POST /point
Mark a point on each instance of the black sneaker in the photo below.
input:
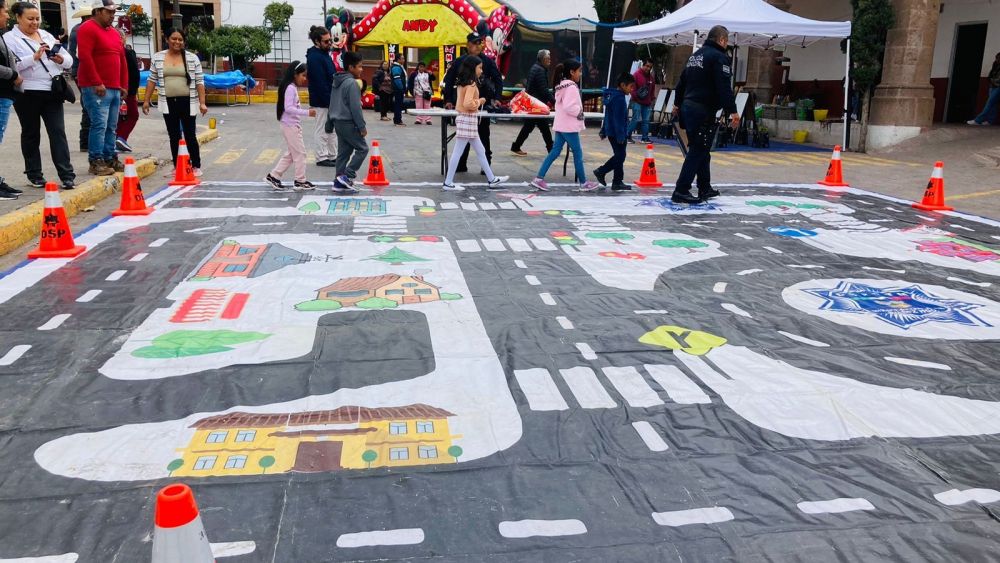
(620, 187)
(68, 185)
(328, 163)
(4, 187)
(342, 188)
(602, 177)
(276, 184)
(37, 182)
(7, 194)
(708, 193)
(304, 185)
(687, 198)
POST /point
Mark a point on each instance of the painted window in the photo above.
(235, 268)
(399, 454)
(246, 435)
(216, 437)
(425, 427)
(424, 292)
(205, 462)
(411, 284)
(240, 461)
(395, 292)
(244, 251)
(397, 428)
(357, 293)
(427, 452)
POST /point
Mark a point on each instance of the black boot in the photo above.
(705, 194)
(684, 197)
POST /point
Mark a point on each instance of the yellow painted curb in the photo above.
(22, 225)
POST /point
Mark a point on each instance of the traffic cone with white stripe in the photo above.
(57, 238)
(648, 177)
(133, 201)
(835, 171)
(184, 172)
(934, 194)
(179, 536)
(376, 171)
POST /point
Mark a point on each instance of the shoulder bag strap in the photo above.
(33, 50)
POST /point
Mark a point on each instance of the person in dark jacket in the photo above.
(615, 130)
(382, 88)
(128, 118)
(320, 71)
(84, 14)
(989, 113)
(704, 87)
(490, 87)
(538, 87)
(397, 74)
(9, 81)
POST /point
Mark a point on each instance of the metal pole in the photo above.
(177, 19)
(847, 97)
(611, 62)
(695, 45)
(324, 12)
(579, 34)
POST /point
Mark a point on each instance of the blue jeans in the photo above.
(561, 139)
(643, 113)
(5, 106)
(103, 114)
(989, 112)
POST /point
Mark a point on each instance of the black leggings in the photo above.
(34, 108)
(179, 115)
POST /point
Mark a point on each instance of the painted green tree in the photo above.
(617, 237)
(311, 207)
(689, 244)
(184, 343)
(368, 457)
(376, 303)
(174, 466)
(265, 462)
(455, 452)
(397, 257)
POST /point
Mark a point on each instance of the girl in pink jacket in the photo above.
(568, 124)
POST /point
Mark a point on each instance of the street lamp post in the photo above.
(177, 20)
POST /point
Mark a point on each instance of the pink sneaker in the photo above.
(589, 186)
(540, 184)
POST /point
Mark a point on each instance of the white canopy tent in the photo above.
(750, 22)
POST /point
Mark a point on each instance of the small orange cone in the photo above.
(184, 172)
(57, 238)
(835, 171)
(376, 171)
(648, 178)
(133, 201)
(934, 194)
(179, 535)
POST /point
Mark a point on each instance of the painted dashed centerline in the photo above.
(736, 310)
(743, 236)
(55, 321)
(116, 275)
(955, 497)
(158, 242)
(773, 250)
(565, 323)
(520, 264)
(710, 515)
(547, 298)
(719, 287)
(750, 271)
(651, 312)
(14, 354)
(546, 528)
(969, 282)
(918, 363)
(138, 257)
(585, 350)
(404, 536)
(532, 280)
(835, 506)
(803, 339)
(88, 296)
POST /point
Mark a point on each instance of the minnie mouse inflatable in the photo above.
(497, 30)
(340, 26)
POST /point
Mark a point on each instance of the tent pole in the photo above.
(611, 62)
(847, 97)
(579, 34)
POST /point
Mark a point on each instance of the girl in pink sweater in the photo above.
(290, 115)
(568, 124)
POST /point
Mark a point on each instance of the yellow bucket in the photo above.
(820, 114)
(211, 123)
(800, 136)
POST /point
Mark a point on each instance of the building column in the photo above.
(905, 97)
(760, 64)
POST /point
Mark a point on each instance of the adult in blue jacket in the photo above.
(320, 71)
(704, 88)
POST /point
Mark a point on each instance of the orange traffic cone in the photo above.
(133, 201)
(184, 172)
(179, 534)
(835, 171)
(934, 194)
(376, 171)
(648, 178)
(57, 238)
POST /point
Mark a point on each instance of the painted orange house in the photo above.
(401, 289)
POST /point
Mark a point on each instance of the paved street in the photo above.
(785, 374)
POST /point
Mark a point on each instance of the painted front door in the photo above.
(315, 457)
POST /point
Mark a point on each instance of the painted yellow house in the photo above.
(401, 289)
(350, 437)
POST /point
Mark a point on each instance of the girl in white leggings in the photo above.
(468, 103)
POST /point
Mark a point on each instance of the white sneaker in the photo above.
(452, 187)
(495, 183)
(971, 122)
(197, 172)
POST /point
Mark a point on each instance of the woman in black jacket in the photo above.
(130, 116)
(382, 88)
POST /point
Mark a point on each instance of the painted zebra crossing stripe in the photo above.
(518, 245)
(632, 387)
(267, 156)
(468, 245)
(540, 390)
(116, 275)
(543, 244)
(493, 244)
(88, 296)
(586, 388)
(649, 436)
(230, 156)
(676, 384)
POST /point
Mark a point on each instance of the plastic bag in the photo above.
(522, 102)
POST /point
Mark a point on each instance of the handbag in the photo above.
(60, 88)
(426, 95)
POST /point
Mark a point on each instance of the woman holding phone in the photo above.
(41, 58)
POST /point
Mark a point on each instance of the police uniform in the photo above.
(703, 89)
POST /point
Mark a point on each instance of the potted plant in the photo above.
(140, 22)
(277, 14)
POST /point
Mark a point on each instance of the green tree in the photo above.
(241, 43)
(869, 26)
(174, 466)
(397, 257)
(265, 462)
(689, 244)
(368, 457)
(455, 452)
(311, 207)
(277, 14)
(617, 237)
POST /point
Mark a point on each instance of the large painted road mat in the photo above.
(782, 374)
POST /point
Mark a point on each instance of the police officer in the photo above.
(490, 87)
(704, 87)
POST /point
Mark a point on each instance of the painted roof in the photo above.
(369, 282)
(343, 415)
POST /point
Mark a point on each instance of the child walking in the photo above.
(468, 103)
(290, 116)
(615, 130)
(346, 118)
(422, 92)
(568, 124)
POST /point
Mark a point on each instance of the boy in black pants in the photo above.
(614, 129)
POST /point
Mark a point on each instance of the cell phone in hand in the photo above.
(54, 50)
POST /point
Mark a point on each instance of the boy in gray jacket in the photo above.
(346, 118)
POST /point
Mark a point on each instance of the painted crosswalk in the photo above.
(505, 245)
(387, 224)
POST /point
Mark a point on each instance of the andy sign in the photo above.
(419, 25)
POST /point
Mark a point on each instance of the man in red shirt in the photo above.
(103, 81)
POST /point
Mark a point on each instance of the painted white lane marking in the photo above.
(893, 209)
(587, 390)
(89, 296)
(964, 228)
(547, 528)
(520, 264)
(883, 270)
(277, 223)
(507, 205)
(486, 205)
(679, 388)
(64, 558)
(469, 206)
(750, 271)
(835, 506)
(969, 282)
(752, 222)
(232, 548)
(543, 244)
(402, 536)
(378, 230)
(138, 257)
(532, 280)
(720, 287)
(803, 339)
(651, 312)
(468, 245)
(14, 354)
(710, 515)
(55, 321)
(632, 387)
(449, 205)
(650, 437)
(520, 203)
(918, 363)
(565, 323)
(587, 352)
(493, 245)
(234, 199)
(547, 298)
(540, 390)
(743, 236)
(806, 266)
(773, 250)
(736, 310)
(955, 496)
(519, 245)
(116, 275)
(161, 241)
